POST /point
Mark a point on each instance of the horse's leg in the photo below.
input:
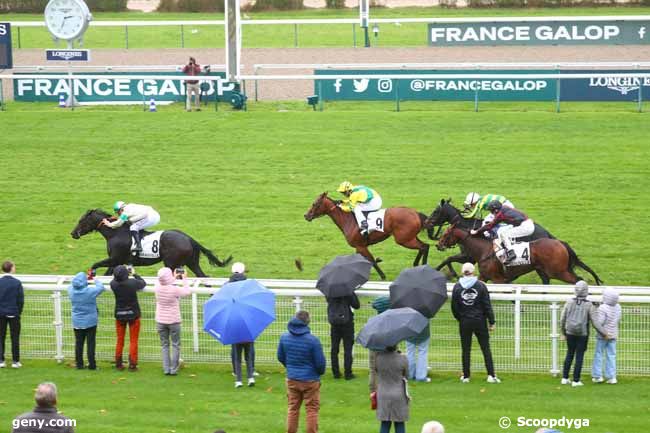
(425, 260)
(363, 250)
(414, 244)
(545, 279)
(108, 263)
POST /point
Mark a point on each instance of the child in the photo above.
(608, 317)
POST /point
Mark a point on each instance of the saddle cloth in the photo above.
(376, 220)
(150, 245)
(521, 249)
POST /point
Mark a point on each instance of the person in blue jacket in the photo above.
(302, 355)
(84, 317)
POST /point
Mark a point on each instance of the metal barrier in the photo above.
(526, 338)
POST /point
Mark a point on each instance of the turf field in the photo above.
(240, 182)
(340, 35)
(202, 399)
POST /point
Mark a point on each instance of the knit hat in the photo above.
(165, 276)
(238, 268)
(581, 289)
(467, 269)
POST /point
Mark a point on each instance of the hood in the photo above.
(121, 273)
(165, 276)
(581, 289)
(467, 282)
(381, 304)
(297, 327)
(610, 297)
(80, 281)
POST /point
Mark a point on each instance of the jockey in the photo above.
(360, 200)
(475, 204)
(519, 225)
(140, 217)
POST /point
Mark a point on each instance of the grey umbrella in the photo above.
(391, 327)
(343, 275)
(422, 288)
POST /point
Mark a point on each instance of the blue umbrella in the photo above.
(239, 312)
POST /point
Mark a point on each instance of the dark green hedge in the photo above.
(191, 6)
(38, 6)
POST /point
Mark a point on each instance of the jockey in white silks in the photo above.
(140, 216)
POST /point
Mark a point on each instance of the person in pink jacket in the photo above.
(168, 316)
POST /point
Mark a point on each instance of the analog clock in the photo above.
(67, 19)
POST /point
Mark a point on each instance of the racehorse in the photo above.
(446, 213)
(551, 258)
(402, 223)
(176, 248)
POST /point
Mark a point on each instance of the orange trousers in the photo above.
(134, 332)
(297, 392)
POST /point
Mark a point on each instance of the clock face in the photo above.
(66, 19)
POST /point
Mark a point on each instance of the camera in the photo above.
(92, 273)
(179, 273)
(130, 269)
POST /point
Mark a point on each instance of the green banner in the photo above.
(114, 89)
(432, 89)
(540, 33)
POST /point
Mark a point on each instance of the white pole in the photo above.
(555, 369)
(195, 319)
(517, 323)
(58, 320)
(297, 301)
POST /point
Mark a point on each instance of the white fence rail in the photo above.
(526, 339)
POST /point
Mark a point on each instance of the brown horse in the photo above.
(551, 258)
(401, 222)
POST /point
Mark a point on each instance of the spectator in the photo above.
(168, 316)
(302, 355)
(127, 313)
(192, 87)
(246, 347)
(380, 304)
(574, 325)
(12, 299)
(45, 417)
(420, 344)
(341, 319)
(471, 306)
(608, 317)
(432, 427)
(391, 371)
(84, 317)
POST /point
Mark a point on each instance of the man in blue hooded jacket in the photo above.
(84, 317)
(302, 355)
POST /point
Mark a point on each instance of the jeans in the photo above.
(417, 368)
(14, 330)
(298, 391)
(576, 346)
(468, 328)
(167, 331)
(385, 427)
(249, 355)
(609, 347)
(134, 332)
(81, 336)
(345, 333)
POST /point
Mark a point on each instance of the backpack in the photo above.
(577, 319)
(338, 311)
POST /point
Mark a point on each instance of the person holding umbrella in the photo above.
(471, 306)
(391, 371)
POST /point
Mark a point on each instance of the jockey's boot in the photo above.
(363, 228)
(138, 242)
(510, 256)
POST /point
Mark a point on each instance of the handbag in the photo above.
(373, 400)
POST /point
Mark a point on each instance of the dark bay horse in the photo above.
(176, 248)
(551, 258)
(446, 213)
(402, 223)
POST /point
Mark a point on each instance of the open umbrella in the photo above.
(343, 275)
(391, 327)
(422, 288)
(239, 312)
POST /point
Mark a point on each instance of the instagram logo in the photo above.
(385, 85)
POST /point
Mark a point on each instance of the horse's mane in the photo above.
(97, 210)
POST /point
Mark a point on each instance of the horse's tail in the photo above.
(423, 218)
(214, 260)
(575, 261)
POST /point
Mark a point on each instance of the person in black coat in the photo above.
(127, 313)
(341, 319)
(471, 306)
(12, 299)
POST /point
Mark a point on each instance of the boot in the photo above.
(363, 228)
(510, 256)
(138, 242)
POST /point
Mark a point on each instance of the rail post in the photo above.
(555, 364)
(182, 36)
(320, 95)
(58, 320)
(641, 97)
(126, 36)
(517, 322)
(19, 47)
(558, 89)
(255, 68)
(354, 35)
(298, 302)
(195, 318)
(397, 95)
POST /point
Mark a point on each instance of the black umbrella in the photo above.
(391, 327)
(422, 288)
(343, 275)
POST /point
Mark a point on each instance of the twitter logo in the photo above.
(361, 85)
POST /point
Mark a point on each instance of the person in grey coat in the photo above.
(390, 383)
(608, 316)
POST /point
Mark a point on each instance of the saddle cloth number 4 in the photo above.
(522, 250)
